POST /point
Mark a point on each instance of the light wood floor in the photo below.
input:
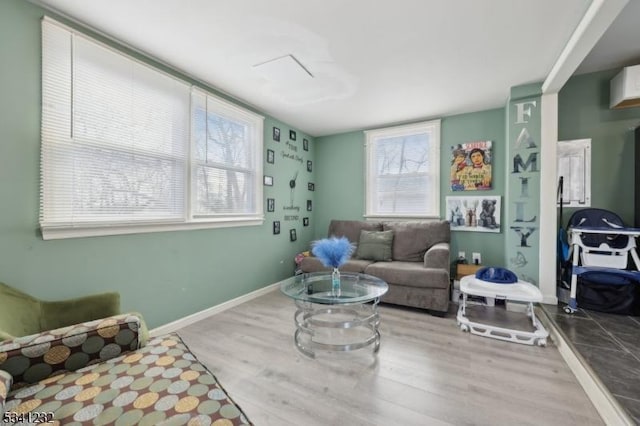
(427, 372)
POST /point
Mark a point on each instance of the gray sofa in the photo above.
(418, 271)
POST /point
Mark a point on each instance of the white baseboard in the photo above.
(608, 407)
(198, 316)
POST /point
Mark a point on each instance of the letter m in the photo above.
(531, 161)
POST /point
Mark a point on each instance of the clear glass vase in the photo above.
(335, 282)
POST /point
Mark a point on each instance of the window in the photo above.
(403, 170)
(574, 165)
(127, 148)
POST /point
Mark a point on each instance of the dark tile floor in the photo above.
(611, 345)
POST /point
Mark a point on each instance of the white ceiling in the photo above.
(373, 63)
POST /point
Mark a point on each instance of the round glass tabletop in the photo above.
(316, 288)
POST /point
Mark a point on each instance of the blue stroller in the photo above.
(600, 249)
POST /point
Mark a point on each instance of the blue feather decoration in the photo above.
(332, 252)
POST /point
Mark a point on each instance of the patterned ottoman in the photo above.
(159, 384)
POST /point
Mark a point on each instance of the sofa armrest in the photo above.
(437, 256)
(5, 384)
(30, 359)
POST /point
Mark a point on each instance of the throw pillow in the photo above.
(375, 245)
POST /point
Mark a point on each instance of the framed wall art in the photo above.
(474, 213)
(271, 204)
(276, 134)
(271, 156)
(276, 227)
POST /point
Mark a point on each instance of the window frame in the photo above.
(371, 136)
(581, 147)
(188, 220)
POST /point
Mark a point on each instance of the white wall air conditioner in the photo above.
(625, 88)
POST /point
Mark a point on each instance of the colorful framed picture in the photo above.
(276, 134)
(474, 213)
(471, 166)
(271, 156)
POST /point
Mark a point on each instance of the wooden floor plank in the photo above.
(427, 372)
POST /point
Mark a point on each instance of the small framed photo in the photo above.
(292, 235)
(309, 206)
(292, 135)
(309, 166)
(311, 186)
(271, 156)
(305, 144)
(271, 204)
(276, 134)
(268, 180)
(276, 227)
(305, 221)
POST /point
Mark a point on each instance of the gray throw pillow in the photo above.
(375, 245)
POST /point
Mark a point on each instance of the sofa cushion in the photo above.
(412, 239)
(351, 229)
(162, 382)
(375, 245)
(313, 264)
(410, 274)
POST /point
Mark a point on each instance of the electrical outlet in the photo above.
(476, 258)
(462, 255)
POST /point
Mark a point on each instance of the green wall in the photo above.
(583, 112)
(341, 172)
(163, 275)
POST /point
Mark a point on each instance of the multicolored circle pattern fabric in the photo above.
(30, 359)
(160, 384)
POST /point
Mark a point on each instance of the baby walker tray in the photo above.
(520, 291)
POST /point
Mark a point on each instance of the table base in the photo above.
(356, 323)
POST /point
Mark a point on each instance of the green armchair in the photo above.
(24, 315)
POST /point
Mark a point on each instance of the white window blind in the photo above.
(574, 165)
(116, 146)
(403, 168)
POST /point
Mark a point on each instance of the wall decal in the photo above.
(305, 144)
(471, 168)
(292, 135)
(309, 166)
(276, 134)
(271, 156)
(268, 180)
(271, 204)
(311, 186)
(292, 235)
(276, 227)
(305, 221)
(523, 234)
(519, 261)
(309, 205)
(481, 214)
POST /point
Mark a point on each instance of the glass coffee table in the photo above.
(335, 322)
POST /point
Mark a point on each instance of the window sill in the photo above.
(401, 217)
(79, 231)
